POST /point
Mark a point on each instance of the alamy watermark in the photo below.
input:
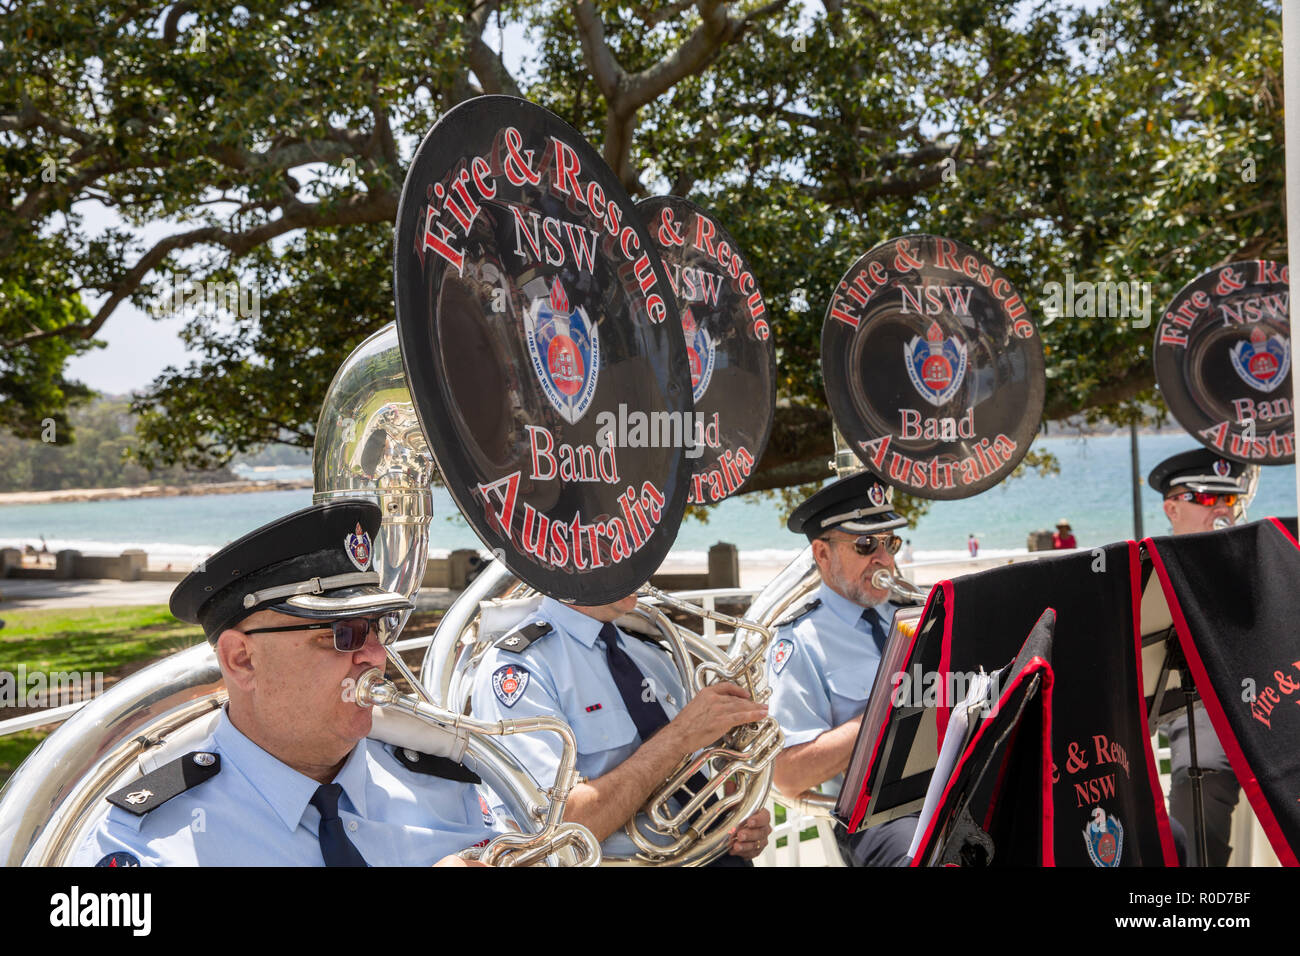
(210, 297)
(917, 688)
(38, 689)
(635, 428)
(1102, 300)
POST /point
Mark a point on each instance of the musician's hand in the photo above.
(711, 713)
(455, 860)
(749, 839)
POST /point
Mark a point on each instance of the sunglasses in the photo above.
(1207, 498)
(350, 634)
(865, 545)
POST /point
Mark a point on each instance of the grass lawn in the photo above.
(113, 641)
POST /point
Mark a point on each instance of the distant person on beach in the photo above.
(973, 546)
(1063, 537)
(905, 556)
(44, 548)
(825, 653)
(289, 776)
(1199, 487)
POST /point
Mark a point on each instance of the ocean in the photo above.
(1092, 492)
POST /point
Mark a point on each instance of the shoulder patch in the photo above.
(434, 765)
(509, 681)
(782, 651)
(805, 608)
(170, 780)
(519, 640)
(120, 858)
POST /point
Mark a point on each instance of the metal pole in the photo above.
(1291, 95)
(1136, 480)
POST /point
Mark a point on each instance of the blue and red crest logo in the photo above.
(781, 654)
(1104, 837)
(565, 352)
(936, 365)
(700, 352)
(509, 683)
(1222, 468)
(1262, 361)
(357, 545)
(876, 495)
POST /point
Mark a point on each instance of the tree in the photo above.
(1134, 143)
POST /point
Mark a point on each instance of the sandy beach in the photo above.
(146, 491)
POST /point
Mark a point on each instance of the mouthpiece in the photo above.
(898, 588)
(1221, 522)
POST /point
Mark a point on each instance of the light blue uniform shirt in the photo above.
(821, 668)
(566, 674)
(256, 812)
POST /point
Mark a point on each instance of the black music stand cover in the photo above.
(1101, 749)
(1232, 594)
(1004, 773)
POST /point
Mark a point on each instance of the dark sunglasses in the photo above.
(1207, 498)
(866, 544)
(350, 633)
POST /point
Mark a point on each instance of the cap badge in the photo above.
(876, 495)
(1222, 468)
(357, 545)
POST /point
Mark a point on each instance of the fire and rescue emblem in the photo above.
(1104, 836)
(700, 352)
(1222, 468)
(936, 365)
(509, 683)
(565, 352)
(1262, 361)
(876, 494)
(357, 545)
(781, 654)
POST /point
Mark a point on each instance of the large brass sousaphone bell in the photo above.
(513, 365)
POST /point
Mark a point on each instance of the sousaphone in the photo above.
(711, 358)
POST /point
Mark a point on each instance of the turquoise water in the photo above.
(1092, 492)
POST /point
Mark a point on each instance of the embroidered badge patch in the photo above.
(509, 682)
(781, 654)
(1104, 837)
(120, 858)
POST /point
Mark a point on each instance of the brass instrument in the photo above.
(741, 760)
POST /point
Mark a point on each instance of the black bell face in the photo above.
(534, 315)
(1223, 362)
(729, 344)
(933, 367)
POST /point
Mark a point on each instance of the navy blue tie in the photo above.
(877, 630)
(335, 846)
(649, 715)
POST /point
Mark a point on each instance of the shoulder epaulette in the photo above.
(435, 766)
(170, 780)
(799, 612)
(519, 640)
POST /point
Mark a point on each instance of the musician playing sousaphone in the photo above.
(622, 693)
(545, 419)
(934, 377)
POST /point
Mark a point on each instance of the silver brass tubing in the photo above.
(897, 587)
(372, 689)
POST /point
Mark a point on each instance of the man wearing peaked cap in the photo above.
(1199, 489)
(289, 776)
(824, 656)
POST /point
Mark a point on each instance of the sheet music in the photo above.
(954, 742)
